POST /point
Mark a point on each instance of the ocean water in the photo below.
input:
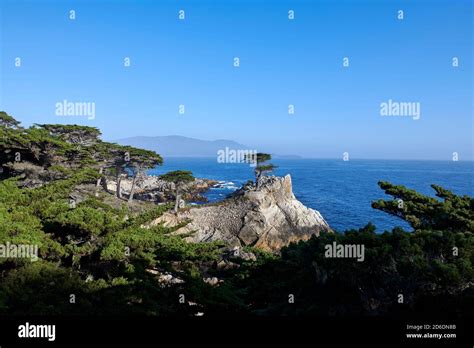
(341, 191)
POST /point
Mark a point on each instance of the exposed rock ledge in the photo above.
(152, 188)
(268, 218)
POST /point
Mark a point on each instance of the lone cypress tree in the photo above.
(179, 178)
(260, 168)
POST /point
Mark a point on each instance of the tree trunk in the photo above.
(119, 187)
(104, 183)
(259, 174)
(176, 205)
(118, 190)
(132, 190)
(101, 170)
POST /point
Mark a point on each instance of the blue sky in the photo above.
(283, 62)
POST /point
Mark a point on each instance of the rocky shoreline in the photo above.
(268, 218)
(153, 189)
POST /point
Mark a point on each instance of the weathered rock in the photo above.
(152, 188)
(268, 218)
(238, 252)
(226, 265)
(165, 278)
(212, 281)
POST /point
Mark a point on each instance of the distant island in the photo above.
(180, 146)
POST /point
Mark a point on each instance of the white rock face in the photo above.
(268, 218)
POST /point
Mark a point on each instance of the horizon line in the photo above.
(291, 157)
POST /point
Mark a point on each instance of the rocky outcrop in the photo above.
(268, 218)
(152, 188)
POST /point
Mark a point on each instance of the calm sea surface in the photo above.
(341, 191)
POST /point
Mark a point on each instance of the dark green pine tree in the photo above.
(179, 178)
(260, 167)
(451, 213)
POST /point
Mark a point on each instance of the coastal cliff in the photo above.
(268, 218)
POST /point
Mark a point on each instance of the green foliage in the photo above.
(148, 215)
(265, 168)
(260, 157)
(452, 213)
(432, 267)
(7, 120)
(79, 146)
(71, 133)
(260, 168)
(178, 176)
(43, 288)
(90, 240)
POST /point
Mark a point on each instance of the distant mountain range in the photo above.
(179, 146)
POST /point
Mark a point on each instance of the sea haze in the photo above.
(179, 146)
(341, 191)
